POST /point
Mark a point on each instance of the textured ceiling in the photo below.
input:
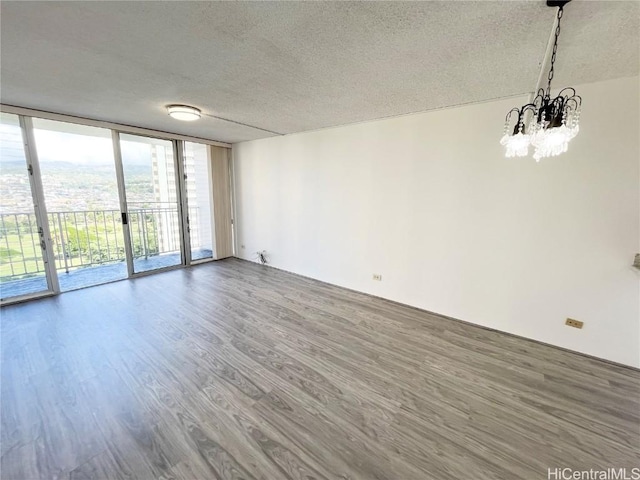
(295, 66)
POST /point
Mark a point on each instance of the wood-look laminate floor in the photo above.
(232, 370)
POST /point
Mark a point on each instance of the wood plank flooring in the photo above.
(232, 370)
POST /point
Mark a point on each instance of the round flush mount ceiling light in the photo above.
(184, 112)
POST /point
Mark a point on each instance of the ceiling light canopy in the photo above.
(184, 112)
(547, 124)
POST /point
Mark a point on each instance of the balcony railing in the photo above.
(85, 238)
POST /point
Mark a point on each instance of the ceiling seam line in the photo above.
(240, 123)
(406, 114)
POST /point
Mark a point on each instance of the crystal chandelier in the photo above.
(546, 124)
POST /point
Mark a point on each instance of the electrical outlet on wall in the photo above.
(377, 277)
(574, 323)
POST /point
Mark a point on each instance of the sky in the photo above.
(57, 146)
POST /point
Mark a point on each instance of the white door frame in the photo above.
(40, 211)
(122, 195)
(183, 208)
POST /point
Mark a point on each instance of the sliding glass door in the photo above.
(83, 205)
(197, 174)
(153, 212)
(24, 268)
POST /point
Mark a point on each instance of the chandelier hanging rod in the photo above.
(549, 50)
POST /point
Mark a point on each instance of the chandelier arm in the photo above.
(537, 101)
(562, 93)
(577, 101)
(533, 108)
(571, 103)
(508, 117)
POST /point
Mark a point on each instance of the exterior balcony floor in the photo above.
(94, 275)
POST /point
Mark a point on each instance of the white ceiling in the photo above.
(295, 66)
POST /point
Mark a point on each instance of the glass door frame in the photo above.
(182, 148)
(181, 203)
(40, 212)
(122, 196)
(185, 238)
(39, 206)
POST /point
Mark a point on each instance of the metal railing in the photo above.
(84, 238)
(20, 252)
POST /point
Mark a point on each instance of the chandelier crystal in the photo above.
(517, 144)
(547, 124)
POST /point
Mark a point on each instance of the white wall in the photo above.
(429, 202)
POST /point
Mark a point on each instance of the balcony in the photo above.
(88, 246)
